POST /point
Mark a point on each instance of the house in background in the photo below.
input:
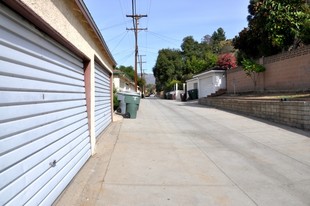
(122, 82)
(55, 96)
(192, 84)
(208, 82)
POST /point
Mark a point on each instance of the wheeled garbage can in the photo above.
(122, 104)
(132, 101)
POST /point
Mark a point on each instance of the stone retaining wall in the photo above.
(291, 113)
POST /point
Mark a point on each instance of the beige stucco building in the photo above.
(122, 82)
(56, 96)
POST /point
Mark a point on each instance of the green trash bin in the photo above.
(132, 101)
(195, 94)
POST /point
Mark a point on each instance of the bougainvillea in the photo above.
(227, 61)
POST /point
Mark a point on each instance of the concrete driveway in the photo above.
(178, 153)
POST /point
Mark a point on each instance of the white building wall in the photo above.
(190, 84)
(210, 82)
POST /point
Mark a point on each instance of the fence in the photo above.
(288, 71)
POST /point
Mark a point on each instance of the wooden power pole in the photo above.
(136, 28)
(141, 70)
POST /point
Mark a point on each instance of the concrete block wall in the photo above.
(288, 71)
(291, 113)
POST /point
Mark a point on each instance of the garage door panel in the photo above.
(17, 97)
(103, 109)
(99, 87)
(34, 172)
(101, 114)
(101, 84)
(39, 62)
(44, 157)
(103, 103)
(32, 132)
(64, 166)
(101, 127)
(36, 43)
(56, 190)
(102, 80)
(9, 113)
(16, 70)
(12, 83)
(103, 73)
(105, 94)
(102, 92)
(66, 180)
(40, 188)
(101, 118)
(43, 113)
(103, 99)
(102, 88)
(27, 150)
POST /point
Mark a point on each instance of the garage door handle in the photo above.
(53, 164)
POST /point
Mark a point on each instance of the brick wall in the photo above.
(288, 71)
(291, 113)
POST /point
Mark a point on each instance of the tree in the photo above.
(227, 61)
(248, 44)
(168, 67)
(190, 47)
(216, 39)
(252, 69)
(193, 58)
(210, 58)
(273, 25)
(206, 39)
(218, 35)
(198, 57)
(128, 70)
(141, 83)
(305, 29)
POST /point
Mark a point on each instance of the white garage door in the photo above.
(103, 104)
(206, 86)
(44, 136)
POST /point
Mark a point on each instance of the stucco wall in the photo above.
(190, 84)
(65, 18)
(289, 71)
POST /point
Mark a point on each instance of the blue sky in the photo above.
(168, 22)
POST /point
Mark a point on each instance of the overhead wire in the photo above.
(120, 41)
(113, 26)
(166, 38)
(124, 59)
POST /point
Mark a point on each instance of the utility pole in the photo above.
(141, 70)
(136, 28)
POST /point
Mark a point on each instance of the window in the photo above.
(195, 85)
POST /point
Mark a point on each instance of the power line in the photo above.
(120, 41)
(115, 25)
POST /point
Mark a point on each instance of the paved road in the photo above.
(178, 153)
